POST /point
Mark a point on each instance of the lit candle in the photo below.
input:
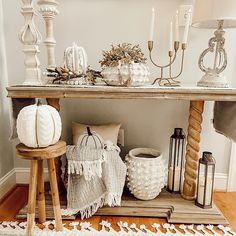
(177, 178)
(186, 28)
(177, 26)
(171, 37)
(152, 25)
(201, 187)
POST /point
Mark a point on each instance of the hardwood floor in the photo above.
(17, 198)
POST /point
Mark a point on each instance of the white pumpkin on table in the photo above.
(39, 126)
(76, 59)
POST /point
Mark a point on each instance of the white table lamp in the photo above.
(217, 14)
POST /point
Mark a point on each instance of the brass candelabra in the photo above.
(170, 80)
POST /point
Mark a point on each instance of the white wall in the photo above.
(6, 160)
(96, 24)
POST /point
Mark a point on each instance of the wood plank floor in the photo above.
(17, 198)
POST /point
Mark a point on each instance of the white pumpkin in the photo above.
(39, 126)
(76, 59)
(90, 139)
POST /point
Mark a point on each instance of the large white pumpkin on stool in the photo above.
(39, 126)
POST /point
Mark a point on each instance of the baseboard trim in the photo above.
(7, 182)
(21, 176)
(221, 182)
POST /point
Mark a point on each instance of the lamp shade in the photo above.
(208, 12)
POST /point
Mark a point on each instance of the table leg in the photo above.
(55, 102)
(55, 195)
(32, 197)
(41, 196)
(192, 150)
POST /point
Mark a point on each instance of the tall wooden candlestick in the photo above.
(48, 9)
(30, 38)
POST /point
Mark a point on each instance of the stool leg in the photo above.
(40, 193)
(55, 195)
(32, 197)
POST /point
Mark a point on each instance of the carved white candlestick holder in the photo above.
(48, 9)
(30, 38)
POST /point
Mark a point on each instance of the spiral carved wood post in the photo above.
(192, 150)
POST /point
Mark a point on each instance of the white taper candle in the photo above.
(152, 25)
(177, 174)
(186, 28)
(171, 37)
(201, 192)
(177, 26)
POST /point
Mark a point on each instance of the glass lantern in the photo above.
(205, 183)
(176, 161)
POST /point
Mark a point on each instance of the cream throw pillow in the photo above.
(107, 132)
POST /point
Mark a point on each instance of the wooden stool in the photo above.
(36, 156)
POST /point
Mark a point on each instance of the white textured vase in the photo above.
(134, 74)
(146, 173)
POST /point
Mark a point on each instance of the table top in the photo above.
(110, 92)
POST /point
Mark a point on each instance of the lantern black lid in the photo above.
(178, 133)
(207, 158)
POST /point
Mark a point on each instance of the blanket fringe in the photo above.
(109, 199)
(92, 209)
(113, 200)
(88, 168)
(86, 211)
(86, 229)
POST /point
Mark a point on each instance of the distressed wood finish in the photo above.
(36, 156)
(54, 102)
(55, 195)
(169, 206)
(32, 197)
(108, 92)
(192, 150)
(197, 96)
(41, 193)
(50, 152)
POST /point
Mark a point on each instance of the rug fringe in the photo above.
(86, 229)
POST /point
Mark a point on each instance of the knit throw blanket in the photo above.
(96, 178)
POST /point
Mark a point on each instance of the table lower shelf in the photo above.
(170, 206)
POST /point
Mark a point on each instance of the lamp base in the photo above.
(213, 80)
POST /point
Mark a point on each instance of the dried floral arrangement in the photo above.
(124, 53)
(62, 74)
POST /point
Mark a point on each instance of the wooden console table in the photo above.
(196, 95)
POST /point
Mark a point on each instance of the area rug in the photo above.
(86, 229)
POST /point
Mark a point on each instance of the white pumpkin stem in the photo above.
(39, 102)
(89, 131)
